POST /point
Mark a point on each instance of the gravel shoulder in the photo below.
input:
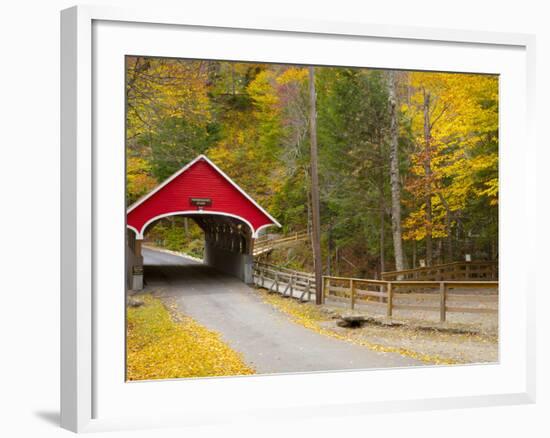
(429, 343)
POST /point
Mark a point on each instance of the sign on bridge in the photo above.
(200, 202)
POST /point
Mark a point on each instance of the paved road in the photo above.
(268, 340)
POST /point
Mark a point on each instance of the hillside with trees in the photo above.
(408, 161)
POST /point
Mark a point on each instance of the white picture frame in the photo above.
(84, 384)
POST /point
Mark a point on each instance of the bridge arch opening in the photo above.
(230, 219)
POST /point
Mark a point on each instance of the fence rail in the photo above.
(443, 297)
(264, 244)
(448, 271)
(439, 294)
(288, 282)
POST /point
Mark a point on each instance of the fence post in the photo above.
(442, 301)
(325, 288)
(262, 276)
(276, 281)
(352, 292)
(291, 285)
(389, 309)
(308, 290)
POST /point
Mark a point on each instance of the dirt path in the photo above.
(268, 340)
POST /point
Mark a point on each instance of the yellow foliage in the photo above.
(293, 74)
(262, 91)
(160, 88)
(249, 137)
(163, 344)
(138, 178)
(463, 113)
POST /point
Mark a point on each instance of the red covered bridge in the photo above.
(229, 217)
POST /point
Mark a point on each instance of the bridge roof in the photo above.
(199, 188)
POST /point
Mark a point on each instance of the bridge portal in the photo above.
(229, 217)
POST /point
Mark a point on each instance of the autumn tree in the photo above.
(455, 126)
(408, 161)
(168, 115)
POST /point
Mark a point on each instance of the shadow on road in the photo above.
(189, 279)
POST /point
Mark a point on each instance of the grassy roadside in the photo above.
(164, 344)
(314, 318)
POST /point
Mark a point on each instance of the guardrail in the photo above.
(351, 290)
(285, 281)
(487, 270)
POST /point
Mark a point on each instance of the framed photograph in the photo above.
(275, 217)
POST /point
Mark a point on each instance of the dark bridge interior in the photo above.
(228, 247)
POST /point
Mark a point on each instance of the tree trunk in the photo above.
(381, 202)
(449, 240)
(448, 225)
(308, 198)
(382, 237)
(315, 209)
(329, 250)
(428, 173)
(394, 177)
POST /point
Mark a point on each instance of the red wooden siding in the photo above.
(199, 180)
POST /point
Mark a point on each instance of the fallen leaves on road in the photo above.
(162, 343)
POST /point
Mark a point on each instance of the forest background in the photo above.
(408, 160)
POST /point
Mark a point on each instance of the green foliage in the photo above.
(176, 142)
(353, 121)
(171, 233)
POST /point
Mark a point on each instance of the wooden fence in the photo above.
(438, 296)
(449, 271)
(438, 293)
(288, 282)
(265, 244)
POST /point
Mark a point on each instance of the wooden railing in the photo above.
(437, 296)
(285, 281)
(352, 290)
(264, 244)
(476, 271)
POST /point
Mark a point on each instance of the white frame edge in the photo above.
(76, 219)
(77, 410)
